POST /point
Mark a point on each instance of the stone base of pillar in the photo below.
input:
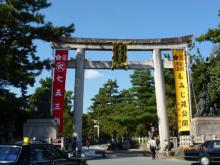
(165, 154)
(40, 128)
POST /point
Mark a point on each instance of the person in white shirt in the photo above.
(153, 147)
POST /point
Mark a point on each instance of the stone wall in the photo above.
(40, 128)
(206, 126)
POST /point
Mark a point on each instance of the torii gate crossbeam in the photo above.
(137, 65)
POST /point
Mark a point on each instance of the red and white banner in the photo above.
(61, 57)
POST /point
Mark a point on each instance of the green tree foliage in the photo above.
(40, 105)
(206, 75)
(21, 24)
(206, 72)
(103, 105)
(171, 99)
(214, 71)
(88, 129)
(131, 111)
(199, 73)
(68, 114)
(143, 88)
(143, 91)
(40, 100)
(212, 35)
(105, 99)
(11, 118)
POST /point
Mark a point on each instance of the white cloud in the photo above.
(92, 74)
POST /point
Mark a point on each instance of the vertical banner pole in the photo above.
(52, 78)
(189, 82)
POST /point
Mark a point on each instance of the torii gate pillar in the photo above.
(160, 97)
(78, 92)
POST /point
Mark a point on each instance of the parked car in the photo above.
(36, 153)
(205, 154)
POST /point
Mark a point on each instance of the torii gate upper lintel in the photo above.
(154, 45)
(73, 43)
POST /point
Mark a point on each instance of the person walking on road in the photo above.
(153, 147)
(88, 142)
(158, 147)
(74, 146)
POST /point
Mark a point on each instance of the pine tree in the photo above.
(171, 99)
(40, 100)
(143, 91)
(213, 35)
(68, 115)
(40, 105)
(105, 99)
(103, 106)
(21, 24)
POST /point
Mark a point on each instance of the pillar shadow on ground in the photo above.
(124, 154)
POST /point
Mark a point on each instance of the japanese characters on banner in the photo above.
(119, 58)
(61, 57)
(182, 97)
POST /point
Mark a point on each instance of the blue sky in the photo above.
(126, 19)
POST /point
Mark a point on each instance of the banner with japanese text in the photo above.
(59, 79)
(182, 97)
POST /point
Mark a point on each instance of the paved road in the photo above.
(128, 159)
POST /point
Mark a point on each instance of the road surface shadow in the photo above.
(124, 154)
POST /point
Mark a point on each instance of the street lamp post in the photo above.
(97, 126)
(96, 122)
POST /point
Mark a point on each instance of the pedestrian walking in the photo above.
(74, 148)
(78, 146)
(153, 147)
(158, 143)
(158, 146)
(88, 143)
(167, 147)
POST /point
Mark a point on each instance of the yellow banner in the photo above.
(182, 97)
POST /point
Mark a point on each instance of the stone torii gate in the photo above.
(156, 63)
